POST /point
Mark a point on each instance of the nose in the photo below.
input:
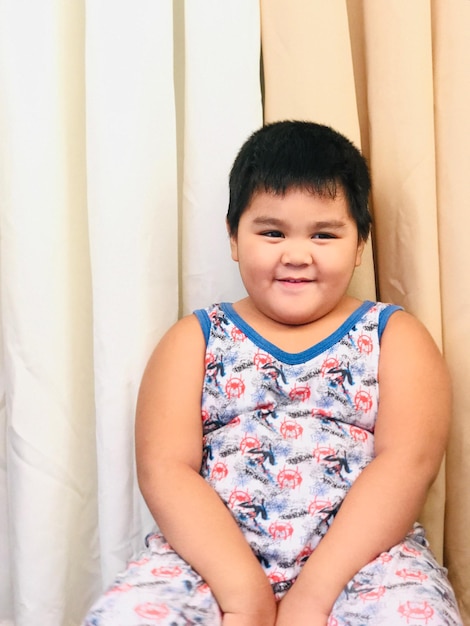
(297, 253)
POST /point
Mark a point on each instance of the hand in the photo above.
(254, 605)
(267, 618)
(297, 610)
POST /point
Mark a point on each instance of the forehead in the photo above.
(297, 204)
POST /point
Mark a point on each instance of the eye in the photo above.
(272, 233)
(323, 236)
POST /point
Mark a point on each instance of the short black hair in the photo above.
(295, 154)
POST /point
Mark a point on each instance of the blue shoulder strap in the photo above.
(384, 316)
(204, 321)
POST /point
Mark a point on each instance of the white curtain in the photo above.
(107, 235)
(223, 107)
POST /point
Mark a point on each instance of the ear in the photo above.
(233, 243)
(360, 250)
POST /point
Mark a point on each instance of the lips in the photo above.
(295, 280)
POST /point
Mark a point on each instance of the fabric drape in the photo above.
(118, 125)
(452, 100)
(132, 231)
(48, 459)
(298, 88)
(397, 70)
(91, 259)
(222, 108)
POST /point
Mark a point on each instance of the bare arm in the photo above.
(188, 511)
(384, 502)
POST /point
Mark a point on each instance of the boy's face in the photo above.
(296, 254)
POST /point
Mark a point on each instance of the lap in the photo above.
(157, 587)
(404, 586)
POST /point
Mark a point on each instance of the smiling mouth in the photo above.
(295, 281)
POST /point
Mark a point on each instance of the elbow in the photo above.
(144, 476)
(157, 477)
(415, 470)
(430, 469)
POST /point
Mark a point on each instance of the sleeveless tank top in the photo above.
(286, 435)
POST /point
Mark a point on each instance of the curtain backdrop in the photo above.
(397, 71)
(118, 124)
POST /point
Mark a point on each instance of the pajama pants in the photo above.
(404, 586)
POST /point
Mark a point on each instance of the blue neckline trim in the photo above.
(298, 357)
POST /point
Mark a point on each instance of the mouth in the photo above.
(295, 281)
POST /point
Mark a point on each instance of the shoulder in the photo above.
(408, 349)
(415, 392)
(168, 412)
(183, 344)
(404, 327)
(188, 328)
(380, 313)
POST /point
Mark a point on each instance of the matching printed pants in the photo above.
(402, 587)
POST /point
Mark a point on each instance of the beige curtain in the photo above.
(393, 76)
(118, 124)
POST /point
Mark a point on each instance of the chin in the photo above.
(292, 319)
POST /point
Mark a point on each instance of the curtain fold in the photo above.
(91, 262)
(132, 213)
(402, 155)
(399, 63)
(451, 23)
(391, 77)
(6, 603)
(46, 321)
(309, 74)
(222, 108)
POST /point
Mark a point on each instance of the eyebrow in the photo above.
(274, 221)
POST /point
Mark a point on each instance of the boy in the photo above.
(283, 492)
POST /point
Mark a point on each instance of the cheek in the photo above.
(252, 263)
